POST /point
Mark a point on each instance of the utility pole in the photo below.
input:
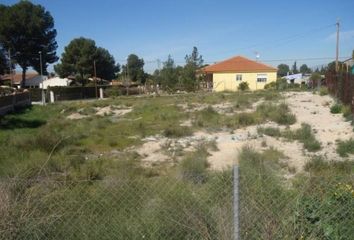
(40, 62)
(337, 46)
(158, 64)
(128, 70)
(94, 69)
(10, 68)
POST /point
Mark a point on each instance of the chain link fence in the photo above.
(238, 204)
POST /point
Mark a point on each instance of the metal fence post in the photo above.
(236, 202)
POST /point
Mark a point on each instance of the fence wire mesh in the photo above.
(308, 208)
(184, 207)
(155, 208)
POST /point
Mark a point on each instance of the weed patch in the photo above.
(269, 131)
(177, 131)
(345, 147)
(278, 113)
(336, 108)
(305, 136)
(194, 166)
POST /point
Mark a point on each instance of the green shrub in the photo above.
(271, 85)
(242, 102)
(243, 86)
(347, 112)
(269, 131)
(336, 108)
(113, 92)
(246, 119)
(207, 117)
(194, 166)
(312, 145)
(345, 147)
(284, 118)
(294, 85)
(278, 113)
(314, 195)
(177, 131)
(281, 84)
(323, 91)
(344, 109)
(316, 164)
(305, 136)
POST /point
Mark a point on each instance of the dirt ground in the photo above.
(115, 111)
(308, 107)
(314, 110)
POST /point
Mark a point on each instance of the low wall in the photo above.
(11, 102)
(36, 94)
(78, 93)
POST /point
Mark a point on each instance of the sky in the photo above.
(279, 31)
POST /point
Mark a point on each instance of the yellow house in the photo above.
(228, 74)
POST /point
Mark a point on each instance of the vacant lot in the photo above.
(143, 158)
(158, 132)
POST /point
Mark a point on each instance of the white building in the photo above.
(36, 82)
(297, 78)
(55, 82)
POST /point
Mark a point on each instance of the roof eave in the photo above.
(241, 71)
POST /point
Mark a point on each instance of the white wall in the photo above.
(56, 81)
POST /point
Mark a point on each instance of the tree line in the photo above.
(284, 69)
(25, 31)
(27, 36)
(172, 77)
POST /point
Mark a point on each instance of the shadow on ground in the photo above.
(13, 123)
(14, 120)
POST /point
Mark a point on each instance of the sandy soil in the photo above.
(226, 108)
(151, 152)
(116, 111)
(309, 108)
(76, 116)
(113, 110)
(314, 110)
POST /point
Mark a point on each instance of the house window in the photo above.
(262, 77)
(238, 77)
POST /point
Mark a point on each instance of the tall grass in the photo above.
(317, 205)
(128, 206)
(278, 113)
(345, 148)
(305, 136)
(194, 165)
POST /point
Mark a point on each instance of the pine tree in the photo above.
(27, 29)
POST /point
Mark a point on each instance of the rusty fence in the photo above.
(341, 85)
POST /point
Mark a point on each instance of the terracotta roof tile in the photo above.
(17, 77)
(239, 64)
